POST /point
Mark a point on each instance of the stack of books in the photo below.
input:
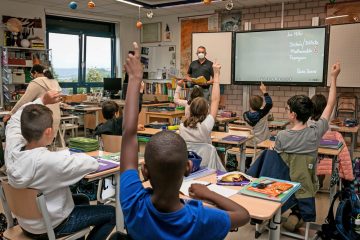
(271, 189)
(332, 144)
(38, 44)
(84, 144)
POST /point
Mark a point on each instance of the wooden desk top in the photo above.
(221, 120)
(323, 151)
(109, 172)
(3, 113)
(167, 113)
(149, 131)
(86, 109)
(345, 129)
(216, 137)
(258, 208)
(278, 123)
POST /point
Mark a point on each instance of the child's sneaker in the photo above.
(292, 223)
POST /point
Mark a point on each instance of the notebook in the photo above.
(234, 138)
(202, 172)
(332, 144)
(106, 165)
(223, 191)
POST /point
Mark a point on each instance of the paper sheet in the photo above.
(223, 191)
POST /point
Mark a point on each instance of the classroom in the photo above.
(179, 119)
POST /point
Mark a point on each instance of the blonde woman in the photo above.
(42, 82)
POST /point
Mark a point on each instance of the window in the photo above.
(65, 64)
(83, 52)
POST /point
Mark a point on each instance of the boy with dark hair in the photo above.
(303, 139)
(31, 165)
(113, 124)
(165, 215)
(255, 117)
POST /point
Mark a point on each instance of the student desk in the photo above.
(104, 174)
(354, 132)
(332, 153)
(92, 116)
(275, 124)
(149, 131)
(224, 121)
(217, 137)
(278, 124)
(170, 116)
(258, 208)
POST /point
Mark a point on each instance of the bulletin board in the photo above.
(219, 48)
(344, 47)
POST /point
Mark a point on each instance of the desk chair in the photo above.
(347, 104)
(208, 153)
(67, 123)
(250, 151)
(111, 143)
(295, 167)
(30, 204)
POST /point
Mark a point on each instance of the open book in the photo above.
(199, 80)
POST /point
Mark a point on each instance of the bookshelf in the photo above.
(16, 63)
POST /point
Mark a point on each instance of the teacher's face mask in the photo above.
(201, 55)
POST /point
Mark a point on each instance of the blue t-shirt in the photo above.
(143, 221)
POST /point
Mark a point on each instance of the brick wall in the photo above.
(296, 14)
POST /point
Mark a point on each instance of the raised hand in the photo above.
(262, 88)
(216, 68)
(133, 65)
(335, 70)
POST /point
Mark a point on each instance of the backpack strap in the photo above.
(330, 217)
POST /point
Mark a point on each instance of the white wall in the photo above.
(11, 8)
(175, 27)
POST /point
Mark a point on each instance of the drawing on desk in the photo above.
(232, 178)
(278, 190)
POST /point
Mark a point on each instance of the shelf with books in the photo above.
(16, 63)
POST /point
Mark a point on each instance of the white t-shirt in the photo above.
(200, 134)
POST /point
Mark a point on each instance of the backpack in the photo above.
(342, 226)
(356, 168)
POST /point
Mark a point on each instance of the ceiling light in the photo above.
(189, 4)
(130, 3)
(229, 5)
(340, 16)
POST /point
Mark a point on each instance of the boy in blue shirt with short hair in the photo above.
(159, 213)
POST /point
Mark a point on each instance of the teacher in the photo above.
(201, 67)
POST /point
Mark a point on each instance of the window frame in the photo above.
(82, 34)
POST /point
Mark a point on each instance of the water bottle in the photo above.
(357, 224)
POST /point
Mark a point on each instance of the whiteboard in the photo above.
(345, 48)
(219, 48)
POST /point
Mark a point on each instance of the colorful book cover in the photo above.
(329, 143)
(271, 189)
